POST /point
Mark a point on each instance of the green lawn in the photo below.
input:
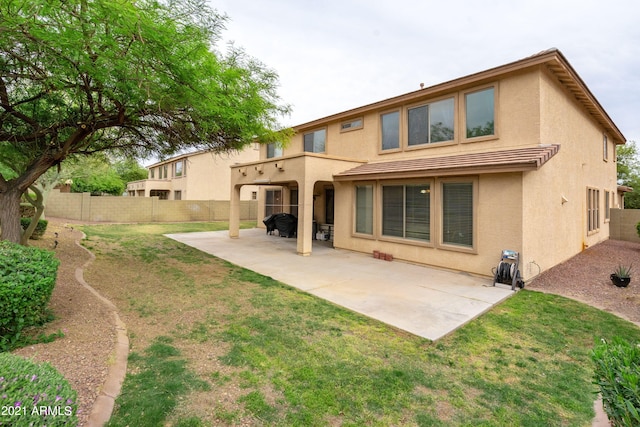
(215, 344)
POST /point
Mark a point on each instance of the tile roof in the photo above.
(515, 160)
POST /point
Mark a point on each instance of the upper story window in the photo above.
(431, 123)
(390, 130)
(274, 149)
(480, 113)
(152, 173)
(351, 125)
(178, 168)
(605, 148)
(165, 171)
(314, 142)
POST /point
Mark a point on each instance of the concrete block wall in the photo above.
(84, 207)
(623, 224)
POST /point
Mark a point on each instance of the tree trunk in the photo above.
(38, 205)
(10, 215)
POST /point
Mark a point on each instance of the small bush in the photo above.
(34, 394)
(638, 229)
(617, 373)
(40, 229)
(27, 278)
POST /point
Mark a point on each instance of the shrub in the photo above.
(617, 373)
(39, 230)
(33, 394)
(27, 278)
(638, 229)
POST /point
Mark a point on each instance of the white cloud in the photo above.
(335, 55)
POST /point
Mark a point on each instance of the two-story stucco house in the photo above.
(201, 175)
(518, 157)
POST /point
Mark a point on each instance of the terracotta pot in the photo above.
(621, 282)
(376, 254)
(389, 257)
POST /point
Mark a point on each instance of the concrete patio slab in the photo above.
(427, 302)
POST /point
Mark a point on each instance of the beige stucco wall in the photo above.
(84, 207)
(206, 176)
(209, 175)
(555, 230)
(517, 124)
(499, 201)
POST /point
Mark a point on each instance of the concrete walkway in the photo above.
(427, 302)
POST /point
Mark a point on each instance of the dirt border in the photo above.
(105, 402)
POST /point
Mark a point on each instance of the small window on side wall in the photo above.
(354, 124)
(605, 148)
(480, 113)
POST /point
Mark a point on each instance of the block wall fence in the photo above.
(84, 207)
(623, 225)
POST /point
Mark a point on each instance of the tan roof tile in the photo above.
(520, 159)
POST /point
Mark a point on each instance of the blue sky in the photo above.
(333, 55)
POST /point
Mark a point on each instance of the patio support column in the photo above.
(234, 212)
(305, 217)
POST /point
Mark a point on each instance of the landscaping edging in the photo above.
(104, 403)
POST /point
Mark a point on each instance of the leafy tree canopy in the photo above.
(100, 174)
(136, 76)
(628, 168)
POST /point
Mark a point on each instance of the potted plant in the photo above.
(621, 276)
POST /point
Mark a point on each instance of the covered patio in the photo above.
(302, 171)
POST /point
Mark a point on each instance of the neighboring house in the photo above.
(202, 175)
(518, 157)
(622, 190)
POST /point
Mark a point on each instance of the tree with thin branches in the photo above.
(138, 77)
